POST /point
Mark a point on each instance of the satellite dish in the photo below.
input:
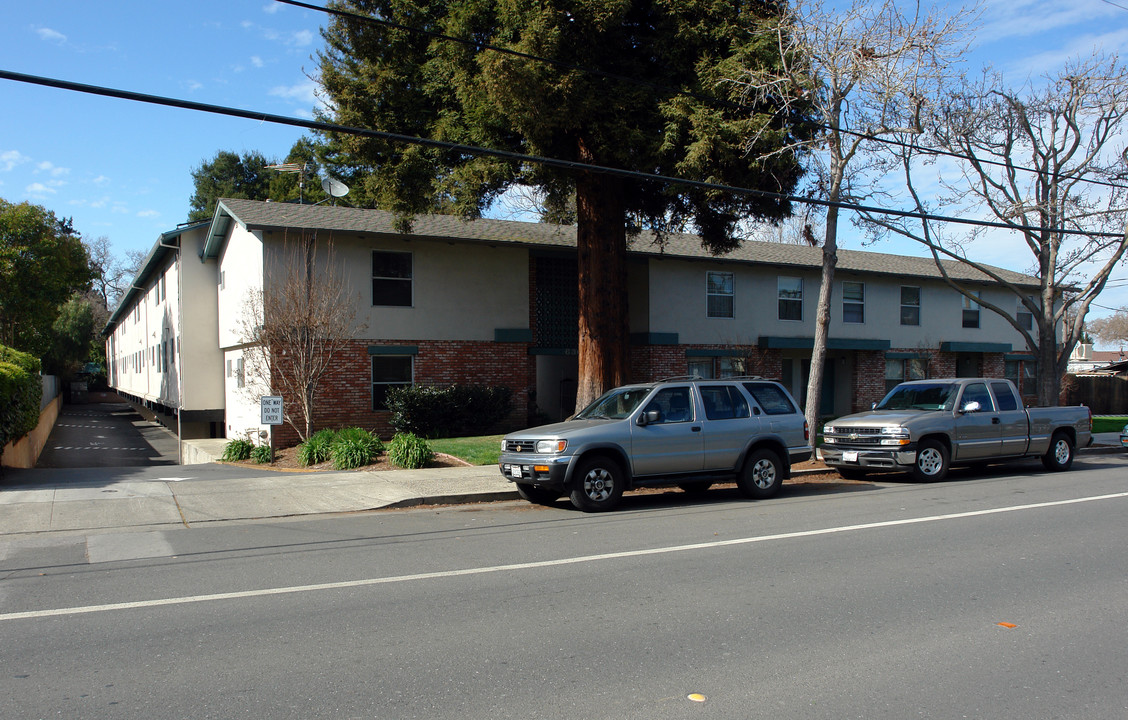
(334, 187)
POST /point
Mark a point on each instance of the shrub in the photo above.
(354, 447)
(448, 411)
(316, 449)
(409, 451)
(237, 450)
(20, 393)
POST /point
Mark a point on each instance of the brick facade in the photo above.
(346, 398)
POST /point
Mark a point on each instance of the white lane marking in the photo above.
(87, 609)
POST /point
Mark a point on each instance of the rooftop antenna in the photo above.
(300, 169)
(334, 188)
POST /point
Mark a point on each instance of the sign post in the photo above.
(270, 408)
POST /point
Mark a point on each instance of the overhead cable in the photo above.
(513, 156)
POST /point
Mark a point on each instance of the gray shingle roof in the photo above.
(257, 215)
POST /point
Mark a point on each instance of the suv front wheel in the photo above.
(598, 485)
(762, 475)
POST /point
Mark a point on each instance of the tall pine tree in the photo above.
(683, 120)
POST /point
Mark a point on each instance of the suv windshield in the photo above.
(614, 404)
(930, 396)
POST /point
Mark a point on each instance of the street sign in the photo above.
(271, 406)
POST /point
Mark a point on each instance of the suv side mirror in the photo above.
(651, 416)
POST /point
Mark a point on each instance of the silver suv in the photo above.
(685, 432)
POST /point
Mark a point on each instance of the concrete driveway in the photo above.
(106, 434)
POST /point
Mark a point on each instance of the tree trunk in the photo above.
(822, 322)
(1048, 371)
(601, 243)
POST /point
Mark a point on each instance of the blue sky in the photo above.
(123, 169)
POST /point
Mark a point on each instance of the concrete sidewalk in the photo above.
(86, 506)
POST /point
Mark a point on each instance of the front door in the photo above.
(673, 443)
(978, 431)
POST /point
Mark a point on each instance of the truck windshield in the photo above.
(925, 396)
(614, 404)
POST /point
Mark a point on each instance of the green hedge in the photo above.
(21, 391)
(437, 411)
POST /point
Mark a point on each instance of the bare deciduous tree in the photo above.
(1111, 329)
(1046, 164)
(297, 325)
(865, 73)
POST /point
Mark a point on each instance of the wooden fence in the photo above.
(1104, 394)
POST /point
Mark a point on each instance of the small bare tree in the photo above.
(1045, 165)
(1111, 329)
(864, 73)
(297, 326)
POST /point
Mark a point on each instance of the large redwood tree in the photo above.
(635, 84)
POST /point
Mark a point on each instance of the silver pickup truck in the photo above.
(689, 432)
(926, 426)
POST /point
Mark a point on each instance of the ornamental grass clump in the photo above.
(409, 451)
(353, 448)
(316, 450)
(237, 450)
(262, 454)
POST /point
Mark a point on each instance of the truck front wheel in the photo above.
(931, 462)
(1059, 456)
(599, 485)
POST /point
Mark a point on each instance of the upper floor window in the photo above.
(790, 297)
(853, 302)
(1024, 317)
(910, 305)
(719, 295)
(391, 278)
(971, 311)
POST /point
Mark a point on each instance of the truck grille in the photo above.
(853, 436)
(520, 446)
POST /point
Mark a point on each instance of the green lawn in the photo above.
(481, 450)
(1109, 423)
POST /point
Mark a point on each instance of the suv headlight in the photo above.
(548, 447)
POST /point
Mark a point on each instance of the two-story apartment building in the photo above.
(161, 340)
(495, 302)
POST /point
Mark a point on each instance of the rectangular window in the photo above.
(719, 296)
(222, 279)
(700, 367)
(790, 291)
(1023, 374)
(910, 305)
(853, 302)
(971, 311)
(389, 371)
(391, 278)
(240, 379)
(899, 370)
(1024, 317)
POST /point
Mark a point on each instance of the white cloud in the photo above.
(9, 159)
(50, 168)
(271, 8)
(257, 61)
(50, 35)
(39, 190)
(100, 180)
(193, 85)
(148, 214)
(302, 38)
(304, 91)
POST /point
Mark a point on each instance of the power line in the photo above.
(478, 45)
(513, 156)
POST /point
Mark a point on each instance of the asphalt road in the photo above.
(998, 594)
